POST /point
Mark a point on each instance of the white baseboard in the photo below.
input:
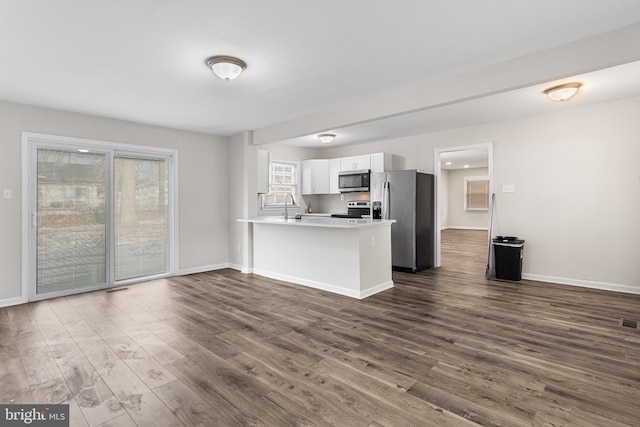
(214, 267)
(584, 283)
(202, 269)
(241, 269)
(325, 286)
(12, 301)
(235, 266)
(372, 291)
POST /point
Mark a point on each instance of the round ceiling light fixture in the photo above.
(226, 67)
(326, 138)
(563, 92)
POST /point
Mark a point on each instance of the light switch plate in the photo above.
(6, 193)
(508, 188)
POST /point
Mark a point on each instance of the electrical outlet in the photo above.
(508, 188)
(373, 241)
(342, 197)
(6, 193)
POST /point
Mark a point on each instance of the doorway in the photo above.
(477, 155)
(100, 215)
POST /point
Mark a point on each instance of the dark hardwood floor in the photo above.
(445, 347)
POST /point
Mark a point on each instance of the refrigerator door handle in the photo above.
(385, 201)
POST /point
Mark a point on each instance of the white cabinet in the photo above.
(320, 176)
(263, 171)
(315, 176)
(355, 163)
(381, 162)
(334, 170)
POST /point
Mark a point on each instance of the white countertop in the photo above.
(320, 221)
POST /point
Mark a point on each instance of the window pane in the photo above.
(477, 193)
(283, 182)
(71, 233)
(141, 199)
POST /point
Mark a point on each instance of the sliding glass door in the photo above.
(71, 232)
(141, 200)
(100, 216)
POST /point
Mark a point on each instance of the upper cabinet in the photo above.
(381, 162)
(355, 163)
(376, 162)
(334, 170)
(320, 176)
(315, 176)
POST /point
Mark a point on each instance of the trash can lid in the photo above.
(508, 239)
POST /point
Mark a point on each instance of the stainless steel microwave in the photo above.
(352, 181)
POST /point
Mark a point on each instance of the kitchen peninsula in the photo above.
(346, 256)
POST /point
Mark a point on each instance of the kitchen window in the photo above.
(476, 193)
(283, 180)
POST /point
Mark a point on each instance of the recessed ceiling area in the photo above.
(144, 61)
(599, 86)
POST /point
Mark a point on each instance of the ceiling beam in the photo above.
(598, 52)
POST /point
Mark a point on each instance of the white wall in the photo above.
(203, 183)
(237, 200)
(577, 188)
(457, 216)
(443, 191)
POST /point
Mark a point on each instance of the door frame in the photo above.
(437, 168)
(30, 143)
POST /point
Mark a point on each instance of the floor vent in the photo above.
(629, 323)
(117, 290)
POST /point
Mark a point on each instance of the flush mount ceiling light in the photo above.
(226, 67)
(326, 138)
(563, 92)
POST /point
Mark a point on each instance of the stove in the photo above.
(356, 209)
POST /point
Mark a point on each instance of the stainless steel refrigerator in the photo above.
(408, 197)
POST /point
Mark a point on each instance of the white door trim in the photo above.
(437, 168)
(31, 140)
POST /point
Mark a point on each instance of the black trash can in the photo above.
(508, 257)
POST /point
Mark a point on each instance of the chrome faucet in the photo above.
(293, 202)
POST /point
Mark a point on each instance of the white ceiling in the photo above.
(143, 60)
(462, 159)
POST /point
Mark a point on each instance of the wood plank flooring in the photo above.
(445, 347)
